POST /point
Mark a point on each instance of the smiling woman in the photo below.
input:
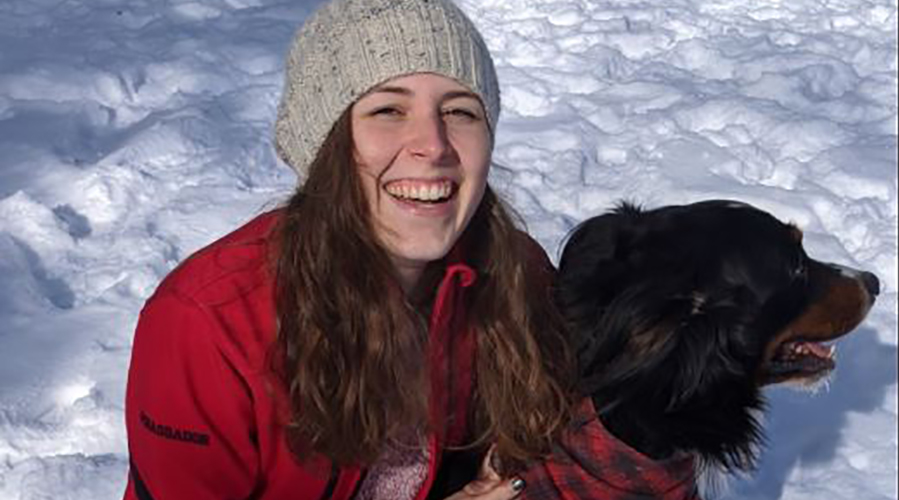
(387, 334)
(423, 140)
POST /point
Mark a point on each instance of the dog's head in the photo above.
(682, 313)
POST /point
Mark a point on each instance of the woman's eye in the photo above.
(388, 111)
(461, 113)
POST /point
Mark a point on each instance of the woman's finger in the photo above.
(488, 471)
(483, 489)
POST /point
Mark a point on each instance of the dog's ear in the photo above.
(711, 342)
(714, 393)
(680, 343)
(679, 359)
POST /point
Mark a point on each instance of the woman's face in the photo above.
(422, 146)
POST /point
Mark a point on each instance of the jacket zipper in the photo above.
(332, 482)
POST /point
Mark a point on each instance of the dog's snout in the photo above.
(869, 280)
(872, 284)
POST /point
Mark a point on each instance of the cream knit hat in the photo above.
(349, 46)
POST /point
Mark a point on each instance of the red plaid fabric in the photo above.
(591, 463)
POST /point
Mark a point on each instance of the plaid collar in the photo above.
(591, 463)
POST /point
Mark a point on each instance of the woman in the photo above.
(387, 321)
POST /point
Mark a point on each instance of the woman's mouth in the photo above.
(431, 192)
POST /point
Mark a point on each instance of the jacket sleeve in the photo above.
(188, 412)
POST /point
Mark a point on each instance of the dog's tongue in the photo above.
(819, 350)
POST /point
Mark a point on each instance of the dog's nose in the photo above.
(872, 284)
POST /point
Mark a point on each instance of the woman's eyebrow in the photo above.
(392, 89)
(455, 94)
(388, 89)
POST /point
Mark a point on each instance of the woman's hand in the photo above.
(489, 485)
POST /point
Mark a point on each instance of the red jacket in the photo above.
(205, 417)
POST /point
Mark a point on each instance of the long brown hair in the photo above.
(346, 340)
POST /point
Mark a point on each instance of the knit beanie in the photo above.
(348, 47)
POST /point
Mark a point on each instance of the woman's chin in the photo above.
(420, 256)
(419, 252)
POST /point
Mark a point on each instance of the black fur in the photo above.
(675, 312)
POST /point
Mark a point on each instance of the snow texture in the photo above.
(134, 132)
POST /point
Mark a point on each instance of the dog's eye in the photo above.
(799, 270)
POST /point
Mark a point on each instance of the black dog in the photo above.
(682, 314)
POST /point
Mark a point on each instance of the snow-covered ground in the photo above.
(133, 132)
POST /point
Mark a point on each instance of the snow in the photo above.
(134, 132)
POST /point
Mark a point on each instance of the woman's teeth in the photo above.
(431, 192)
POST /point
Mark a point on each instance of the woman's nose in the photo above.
(428, 138)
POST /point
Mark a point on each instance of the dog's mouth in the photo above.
(801, 361)
(804, 353)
